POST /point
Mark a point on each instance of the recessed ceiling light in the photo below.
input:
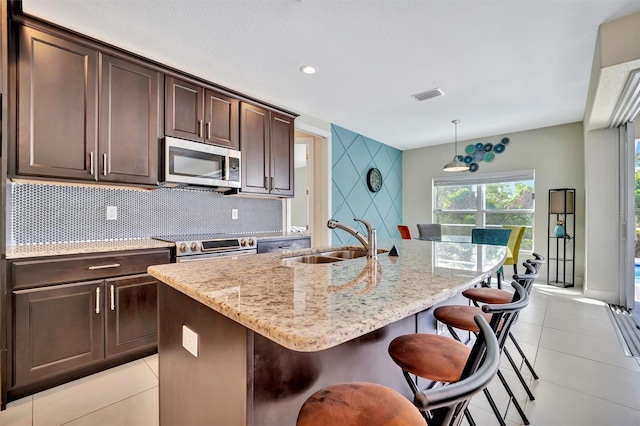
(308, 69)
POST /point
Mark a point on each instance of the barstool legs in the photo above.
(513, 399)
(524, 357)
(515, 369)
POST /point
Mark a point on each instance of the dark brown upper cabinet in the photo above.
(76, 121)
(266, 142)
(129, 122)
(200, 114)
(57, 106)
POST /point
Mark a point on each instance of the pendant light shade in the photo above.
(456, 165)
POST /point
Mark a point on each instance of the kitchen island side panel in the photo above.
(241, 377)
(210, 389)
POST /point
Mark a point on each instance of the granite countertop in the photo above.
(311, 307)
(59, 249)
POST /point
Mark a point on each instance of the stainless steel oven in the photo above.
(193, 163)
(205, 246)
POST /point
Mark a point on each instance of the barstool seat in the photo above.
(460, 316)
(358, 404)
(488, 295)
(439, 358)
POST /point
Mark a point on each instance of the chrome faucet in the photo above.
(370, 243)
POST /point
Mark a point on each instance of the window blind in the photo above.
(483, 178)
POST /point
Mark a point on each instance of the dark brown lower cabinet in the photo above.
(62, 328)
(71, 316)
(58, 329)
(131, 314)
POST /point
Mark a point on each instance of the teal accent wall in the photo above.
(352, 155)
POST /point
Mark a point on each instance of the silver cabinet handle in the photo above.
(208, 130)
(104, 164)
(113, 265)
(271, 185)
(113, 301)
(91, 163)
(199, 128)
(97, 300)
(266, 183)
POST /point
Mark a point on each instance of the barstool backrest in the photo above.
(504, 315)
(447, 403)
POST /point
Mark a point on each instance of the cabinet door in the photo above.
(129, 117)
(57, 104)
(184, 110)
(57, 329)
(221, 120)
(131, 314)
(254, 144)
(282, 142)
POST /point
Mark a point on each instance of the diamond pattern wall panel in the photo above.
(352, 157)
(47, 213)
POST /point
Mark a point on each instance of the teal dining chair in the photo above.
(495, 237)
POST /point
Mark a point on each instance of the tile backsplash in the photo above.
(49, 213)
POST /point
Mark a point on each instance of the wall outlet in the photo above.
(190, 340)
(112, 213)
(234, 213)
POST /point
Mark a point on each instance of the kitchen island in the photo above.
(271, 330)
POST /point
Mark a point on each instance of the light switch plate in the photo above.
(112, 213)
(234, 213)
(190, 340)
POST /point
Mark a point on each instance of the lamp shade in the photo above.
(557, 202)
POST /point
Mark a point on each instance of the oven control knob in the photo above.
(243, 243)
(183, 247)
(194, 247)
(251, 242)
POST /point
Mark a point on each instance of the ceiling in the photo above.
(503, 65)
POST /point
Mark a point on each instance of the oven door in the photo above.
(197, 257)
(195, 163)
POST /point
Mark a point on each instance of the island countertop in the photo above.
(311, 307)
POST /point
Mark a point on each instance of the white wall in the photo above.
(555, 153)
(299, 202)
(603, 236)
(617, 52)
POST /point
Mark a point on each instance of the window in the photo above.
(462, 203)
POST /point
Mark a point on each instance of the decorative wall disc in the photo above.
(482, 152)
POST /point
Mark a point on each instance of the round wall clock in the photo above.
(374, 180)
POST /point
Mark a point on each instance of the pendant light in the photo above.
(456, 165)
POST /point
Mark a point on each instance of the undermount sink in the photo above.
(313, 258)
(328, 256)
(345, 254)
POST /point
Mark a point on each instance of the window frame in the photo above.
(479, 180)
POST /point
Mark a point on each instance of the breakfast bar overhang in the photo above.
(269, 330)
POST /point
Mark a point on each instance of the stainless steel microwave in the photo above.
(193, 163)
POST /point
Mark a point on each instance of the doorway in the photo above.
(309, 210)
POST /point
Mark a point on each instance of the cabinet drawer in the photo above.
(41, 272)
(284, 244)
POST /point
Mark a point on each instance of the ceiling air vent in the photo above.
(433, 93)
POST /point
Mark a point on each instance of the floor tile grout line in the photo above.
(584, 357)
(107, 406)
(580, 392)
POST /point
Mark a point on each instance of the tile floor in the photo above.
(585, 378)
